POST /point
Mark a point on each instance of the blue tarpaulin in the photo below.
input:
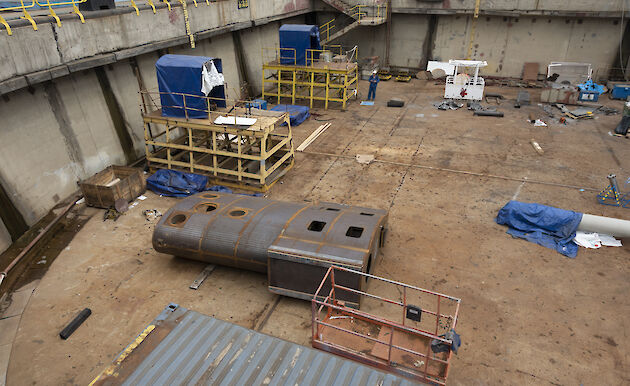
(295, 39)
(181, 74)
(297, 114)
(174, 183)
(544, 225)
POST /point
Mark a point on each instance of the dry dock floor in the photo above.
(529, 315)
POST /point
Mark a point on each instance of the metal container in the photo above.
(183, 347)
(293, 242)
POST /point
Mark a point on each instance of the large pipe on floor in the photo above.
(610, 226)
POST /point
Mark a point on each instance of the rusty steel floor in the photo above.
(528, 314)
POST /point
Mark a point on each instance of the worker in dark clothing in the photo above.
(373, 82)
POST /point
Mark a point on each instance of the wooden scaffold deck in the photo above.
(237, 147)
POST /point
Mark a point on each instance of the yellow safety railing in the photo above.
(381, 10)
(279, 55)
(338, 49)
(358, 11)
(314, 55)
(22, 7)
(324, 30)
(48, 4)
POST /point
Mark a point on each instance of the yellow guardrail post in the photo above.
(150, 2)
(6, 25)
(167, 4)
(187, 23)
(133, 4)
(52, 11)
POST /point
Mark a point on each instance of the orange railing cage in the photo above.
(412, 335)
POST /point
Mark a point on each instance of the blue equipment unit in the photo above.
(257, 104)
(588, 96)
(295, 39)
(621, 91)
(181, 74)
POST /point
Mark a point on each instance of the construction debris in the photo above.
(152, 214)
(365, 159)
(313, 136)
(395, 102)
(479, 110)
(75, 323)
(448, 104)
(537, 147)
(522, 99)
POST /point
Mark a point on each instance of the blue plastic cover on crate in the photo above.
(298, 37)
(297, 114)
(181, 74)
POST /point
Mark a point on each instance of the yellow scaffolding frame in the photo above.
(250, 157)
(317, 80)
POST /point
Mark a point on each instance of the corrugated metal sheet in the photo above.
(202, 350)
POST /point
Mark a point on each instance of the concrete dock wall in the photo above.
(504, 42)
(59, 131)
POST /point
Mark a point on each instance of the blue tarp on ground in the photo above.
(295, 39)
(544, 225)
(174, 183)
(181, 74)
(297, 114)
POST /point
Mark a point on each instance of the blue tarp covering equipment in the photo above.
(297, 114)
(174, 183)
(295, 39)
(181, 74)
(544, 225)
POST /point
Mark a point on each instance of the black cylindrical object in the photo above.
(488, 113)
(76, 322)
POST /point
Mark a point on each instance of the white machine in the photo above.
(461, 85)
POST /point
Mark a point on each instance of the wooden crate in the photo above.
(102, 189)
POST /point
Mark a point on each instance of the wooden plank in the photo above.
(313, 136)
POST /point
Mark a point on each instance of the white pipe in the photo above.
(606, 225)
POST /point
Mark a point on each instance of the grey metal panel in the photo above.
(199, 349)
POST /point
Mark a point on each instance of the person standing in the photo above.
(373, 82)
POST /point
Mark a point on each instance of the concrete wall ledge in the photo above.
(509, 13)
(25, 80)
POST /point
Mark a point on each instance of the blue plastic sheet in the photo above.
(295, 39)
(174, 183)
(297, 114)
(181, 74)
(544, 225)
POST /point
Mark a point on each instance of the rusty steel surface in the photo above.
(293, 242)
(379, 338)
(183, 347)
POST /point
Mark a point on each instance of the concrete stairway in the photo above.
(359, 15)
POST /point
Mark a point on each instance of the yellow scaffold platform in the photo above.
(235, 146)
(329, 75)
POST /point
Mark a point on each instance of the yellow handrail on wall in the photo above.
(325, 29)
(49, 5)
